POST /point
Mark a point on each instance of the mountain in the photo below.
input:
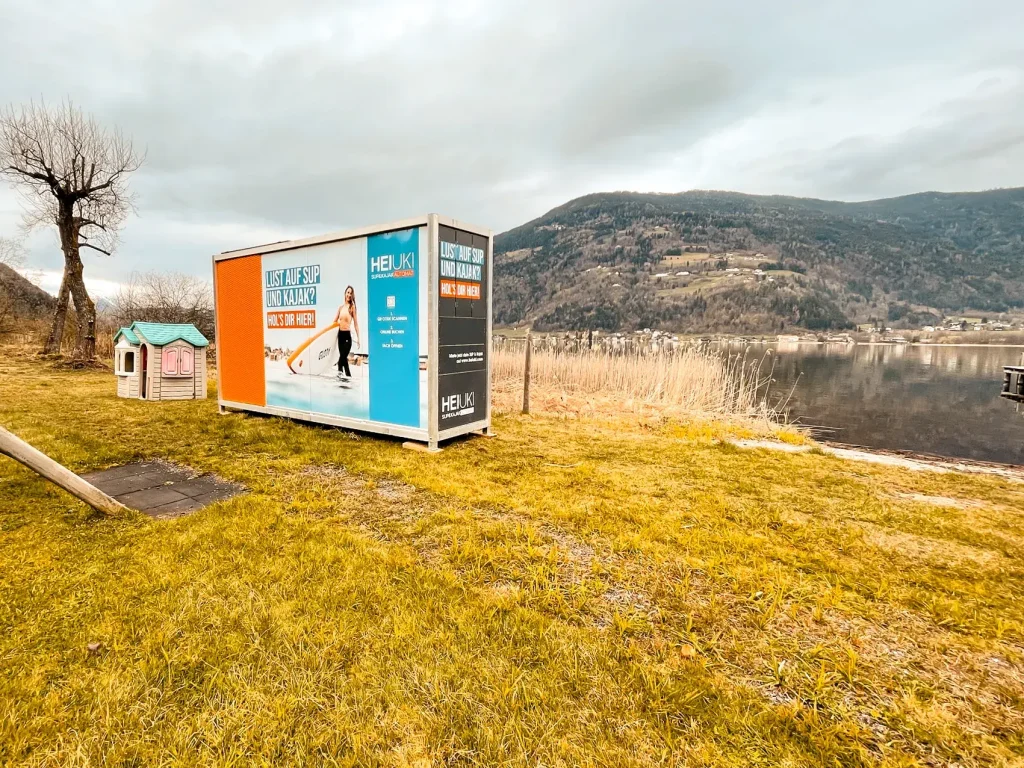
(21, 298)
(104, 306)
(721, 261)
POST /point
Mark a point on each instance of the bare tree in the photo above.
(73, 173)
(165, 297)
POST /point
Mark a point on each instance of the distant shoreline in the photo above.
(933, 344)
(518, 334)
(893, 344)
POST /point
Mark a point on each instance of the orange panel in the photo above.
(240, 330)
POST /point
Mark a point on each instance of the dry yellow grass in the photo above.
(564, 594)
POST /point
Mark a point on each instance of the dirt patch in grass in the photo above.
(380, 505)
(509, 552)
(925, 548)
(940, 501)
(627, 600)
(384, 508)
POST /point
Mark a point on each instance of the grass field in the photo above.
(587, 592)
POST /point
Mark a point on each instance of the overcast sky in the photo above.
(267, 119)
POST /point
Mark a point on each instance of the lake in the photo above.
(941, 400)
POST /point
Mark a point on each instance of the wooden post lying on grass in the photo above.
(526, 375)
(13, 446)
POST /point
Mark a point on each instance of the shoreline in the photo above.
(809, 342)
(920, 462)
(687, 338)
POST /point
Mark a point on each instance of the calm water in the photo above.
(932, 399)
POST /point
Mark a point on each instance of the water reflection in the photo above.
(933, 399)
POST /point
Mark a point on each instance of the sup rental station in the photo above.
(383, 329)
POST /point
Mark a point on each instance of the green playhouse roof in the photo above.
(128, 333)
(163, 333)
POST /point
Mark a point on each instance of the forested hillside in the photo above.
(721, 261)
(21, 299)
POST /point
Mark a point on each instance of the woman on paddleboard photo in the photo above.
(347, 322)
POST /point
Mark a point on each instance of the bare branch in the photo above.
(62, 157)
(165, 297)
(95, 248)
(11, 253)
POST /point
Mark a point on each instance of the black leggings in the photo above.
(344, 347)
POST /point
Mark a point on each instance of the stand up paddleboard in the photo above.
(318, 355)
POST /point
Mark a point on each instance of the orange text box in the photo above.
(301, 319)
(448, 289)
(467, 290)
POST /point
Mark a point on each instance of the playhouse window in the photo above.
(125, 363)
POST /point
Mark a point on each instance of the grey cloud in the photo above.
(978, 140)
(307, 116)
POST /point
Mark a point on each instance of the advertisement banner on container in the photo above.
(462, 328)
(382, 329)
(345, 328)
(395, 386)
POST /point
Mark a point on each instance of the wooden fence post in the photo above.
(13, 446)
(526, 374)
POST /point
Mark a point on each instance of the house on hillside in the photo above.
(160, 361)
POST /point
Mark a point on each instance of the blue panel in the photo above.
(393, 261)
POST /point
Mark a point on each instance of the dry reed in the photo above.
(690, 380)
(31, 333)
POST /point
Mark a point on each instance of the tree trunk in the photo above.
(60, 316)
(85, 310)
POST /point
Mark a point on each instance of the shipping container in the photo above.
(383, 329)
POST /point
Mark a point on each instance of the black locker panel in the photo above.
(463, 277)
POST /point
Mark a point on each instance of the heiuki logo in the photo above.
(393, 265)
(458, 405)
